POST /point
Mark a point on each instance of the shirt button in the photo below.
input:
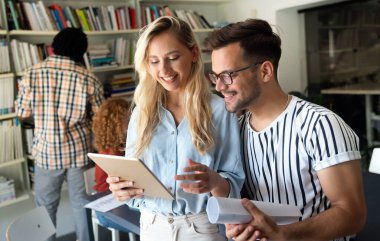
(170, 188)
(171, 161)
(173, 132)
(170, 220)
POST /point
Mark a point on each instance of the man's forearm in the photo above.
(332, 223)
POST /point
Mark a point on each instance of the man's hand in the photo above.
(261, 227)
(123, 190)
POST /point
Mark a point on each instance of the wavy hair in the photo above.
(150, 95)
(109, 123)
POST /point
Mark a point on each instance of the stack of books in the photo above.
(99, 55)
(116, 52)
(7, 189)
(123, 85)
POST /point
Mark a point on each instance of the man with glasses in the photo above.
(295, 152)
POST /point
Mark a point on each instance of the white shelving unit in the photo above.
(17, 170)
(212, 9)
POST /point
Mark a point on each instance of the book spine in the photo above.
(82, 19)
(14, 14)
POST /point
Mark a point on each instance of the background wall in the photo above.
(290, 26)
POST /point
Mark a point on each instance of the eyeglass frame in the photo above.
(229, 73)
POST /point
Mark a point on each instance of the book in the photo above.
(196, 19)
(191, 18)
(118, 19)
(89, 19)
(204, 20)
(38, 17)
(156, 11)
(61, 16)
(30, 15)
(127, 18)
(49, 18)
(57, 19)
(105, 17)
(70, 17)
(148, 17)
(54, 15)
(82, 19)
(45, 19)
(132, 15)
(112, 16)
(14, 14)
(167, 11)
(98, 18)
(22, 14)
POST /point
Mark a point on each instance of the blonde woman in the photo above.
(183, 133)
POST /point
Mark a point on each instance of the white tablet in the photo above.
(132, 169)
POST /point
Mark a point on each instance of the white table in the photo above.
(366, 89)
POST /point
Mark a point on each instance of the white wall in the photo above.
(290, 26)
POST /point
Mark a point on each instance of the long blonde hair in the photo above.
(150, 95)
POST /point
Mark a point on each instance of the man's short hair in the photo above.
(255, 36)
(70, 42)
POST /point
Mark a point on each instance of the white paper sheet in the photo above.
(104, 204)
(229, 210)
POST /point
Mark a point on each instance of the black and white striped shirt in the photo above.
(281, 161)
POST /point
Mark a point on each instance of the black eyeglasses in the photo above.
(226, 76)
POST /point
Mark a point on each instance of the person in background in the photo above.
(295, 152)
(59, 93)
(183, 134)
(109, 127)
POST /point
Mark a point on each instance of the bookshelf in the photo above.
(212, 10)
(98, 33)
(343, 52)
(13, 165)
(344, 46)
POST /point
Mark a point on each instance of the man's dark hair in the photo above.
(72, 43)
(256, 38)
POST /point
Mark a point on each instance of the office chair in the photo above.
(374, 165)
(89, 179)
(34, 225)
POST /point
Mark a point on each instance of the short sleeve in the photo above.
(96, 93)
(23, 105)
(332, 142)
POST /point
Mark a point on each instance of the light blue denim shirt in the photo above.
(170, 148)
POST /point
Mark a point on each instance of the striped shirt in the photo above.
(281, 161)
(58, 94)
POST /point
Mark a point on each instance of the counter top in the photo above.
(372, 88)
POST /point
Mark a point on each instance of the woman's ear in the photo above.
(195, 52)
